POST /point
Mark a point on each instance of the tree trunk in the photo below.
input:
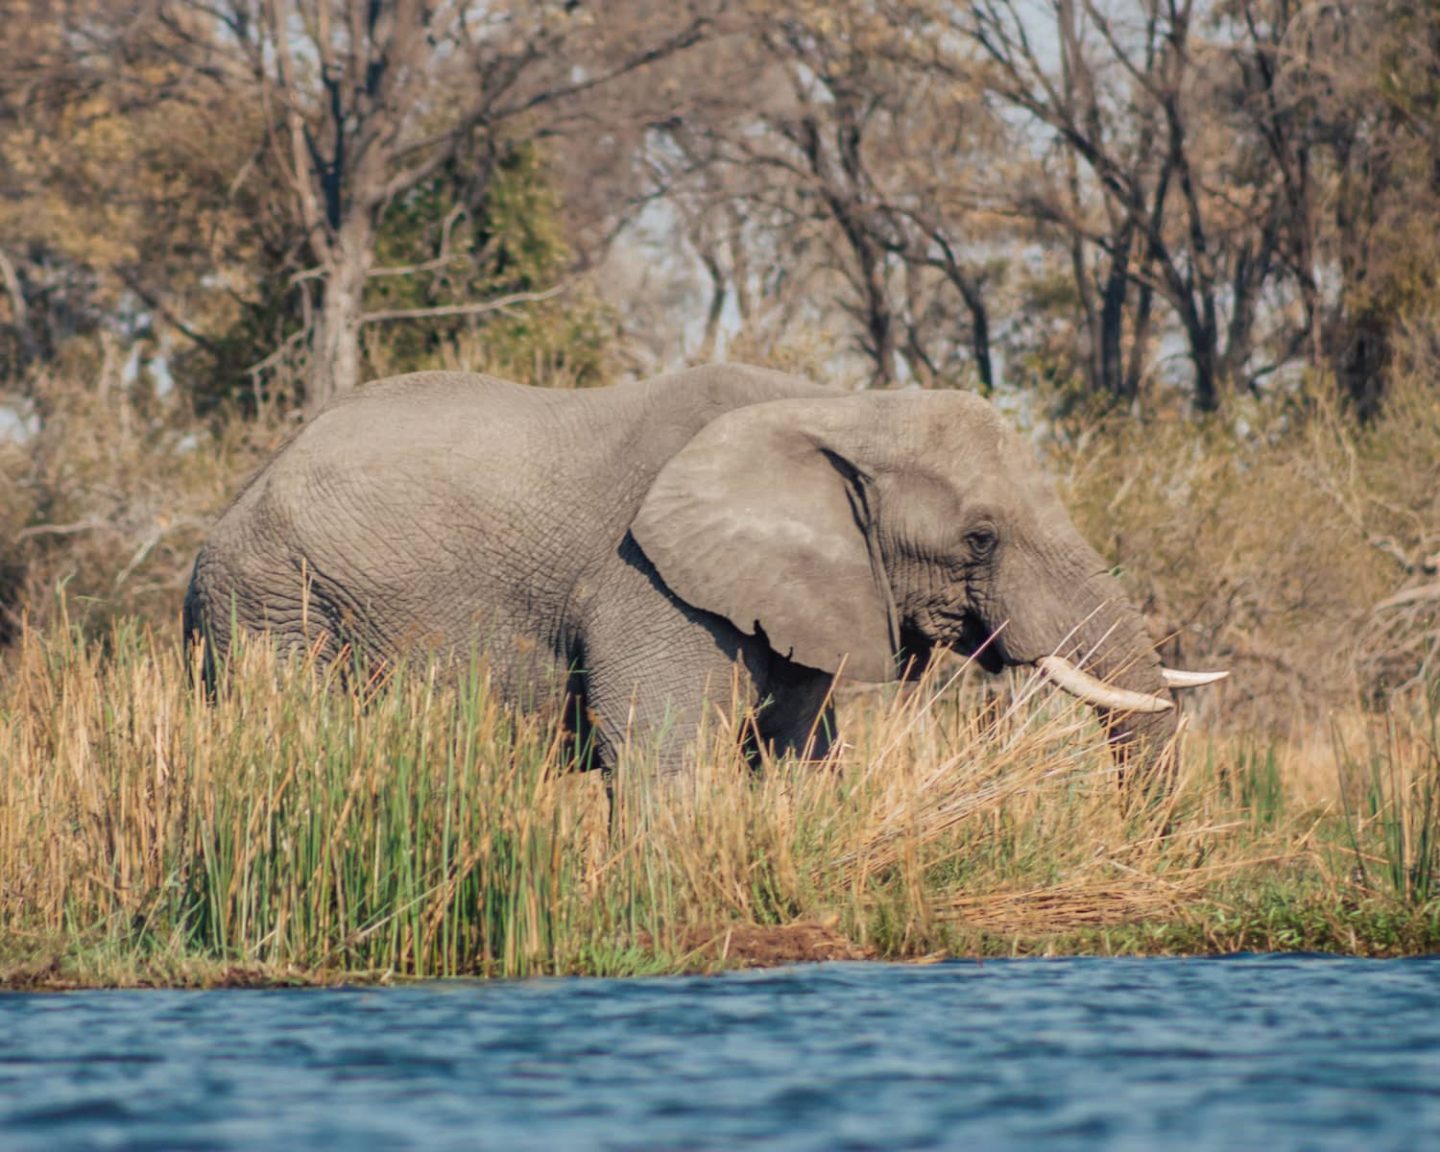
(335, 347)
(979, 330)
(1361, 363)
(1112, 327)
(716, 312)
(980, 343)
(1135, 366)
(1207, 384)
(879, 321)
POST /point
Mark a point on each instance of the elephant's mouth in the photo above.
(972, 639)
(982, 644)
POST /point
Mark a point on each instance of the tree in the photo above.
(843, 154)
(53, 230)
(1346, 101)
(1145, 181)
(362, 103)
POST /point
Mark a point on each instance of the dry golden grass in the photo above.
(291, 829)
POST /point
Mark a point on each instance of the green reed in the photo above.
(307, 822)
(1391, 793)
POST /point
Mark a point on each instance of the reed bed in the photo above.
(297, 828)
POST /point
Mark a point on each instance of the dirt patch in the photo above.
(40, 976)
(767, 946)
(239, 976)
(54, 975)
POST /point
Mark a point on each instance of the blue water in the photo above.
(1249, 1052)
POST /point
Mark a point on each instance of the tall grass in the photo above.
(423, 829)
(1391, 793)
(420, 829)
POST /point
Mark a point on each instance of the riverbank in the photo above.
(1380, 930)
(295, 833)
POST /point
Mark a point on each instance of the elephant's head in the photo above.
(860, 531)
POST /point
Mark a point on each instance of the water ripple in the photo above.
(1249, 1052)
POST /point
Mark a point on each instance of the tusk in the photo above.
(1067, 676)
(1176, 679)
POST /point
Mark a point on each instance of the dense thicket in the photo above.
(1192, 244)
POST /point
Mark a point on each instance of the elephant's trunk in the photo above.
(1087, 638)
(1113, 645)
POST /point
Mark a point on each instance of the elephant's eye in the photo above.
(981, 542)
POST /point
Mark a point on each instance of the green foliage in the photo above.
(222, 377)
(293, 829)
(1253, 781)
(1391, 791)
(484, 229)
(481, 228)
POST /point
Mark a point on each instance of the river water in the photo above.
(1257, 1052)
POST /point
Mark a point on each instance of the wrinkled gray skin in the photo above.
(636, 546)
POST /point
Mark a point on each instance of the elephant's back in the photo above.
(409, 458)
(401, 418)
(437, 498)
(432, 457)
(512, 447)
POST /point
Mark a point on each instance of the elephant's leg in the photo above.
(653, 716)
(213, 640)
(655, 667)
(798, 717)
(232, 593)
(649, 686)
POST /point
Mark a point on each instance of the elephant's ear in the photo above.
(762, 519)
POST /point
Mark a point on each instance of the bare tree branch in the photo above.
(499, 304)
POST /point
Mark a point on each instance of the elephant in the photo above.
(637, 553)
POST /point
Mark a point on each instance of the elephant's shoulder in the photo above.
(720, 388)
(433, 388)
